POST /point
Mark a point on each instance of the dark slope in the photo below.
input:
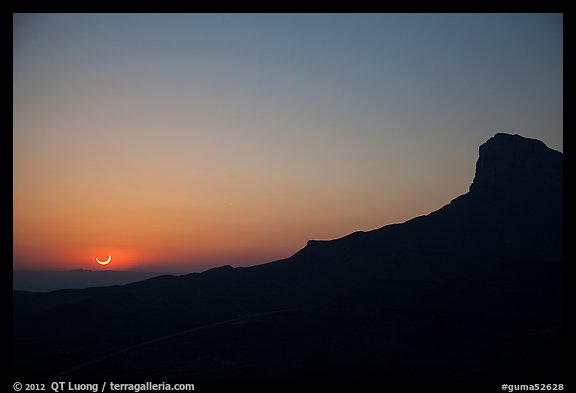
(443, 295)
(475, 328)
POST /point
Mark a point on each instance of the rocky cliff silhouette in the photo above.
(472, 290)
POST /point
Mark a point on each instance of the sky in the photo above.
(179, 142)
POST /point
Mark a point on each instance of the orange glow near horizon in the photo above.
(165, 233)
(187, 221)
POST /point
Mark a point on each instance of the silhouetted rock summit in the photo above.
(513, 210)
(472, 290)
(512, 162)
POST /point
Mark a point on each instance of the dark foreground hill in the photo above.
(473, 290)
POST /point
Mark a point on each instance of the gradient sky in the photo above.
(176, 142)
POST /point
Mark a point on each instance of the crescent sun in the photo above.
(106, 262)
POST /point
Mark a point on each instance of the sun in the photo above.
(106, 262)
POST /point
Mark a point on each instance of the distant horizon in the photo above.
(90, 270)
(185, 142)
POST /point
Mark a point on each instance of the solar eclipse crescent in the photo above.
(106, 262)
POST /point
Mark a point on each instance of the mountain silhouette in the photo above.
(472, 290)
